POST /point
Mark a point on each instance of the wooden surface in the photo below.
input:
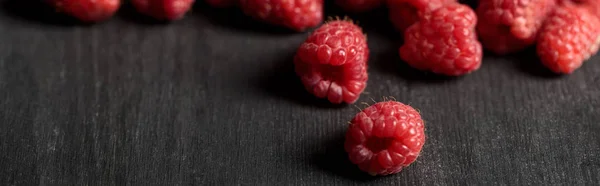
(212, 100)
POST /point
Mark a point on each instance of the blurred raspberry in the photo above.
(569, 37)
(163, 9)
(87, 10)
(294, 14)
(404, 13)
(444, 42)
(507, 26)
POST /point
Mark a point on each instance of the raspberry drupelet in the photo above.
(385, 137)
(332, 62)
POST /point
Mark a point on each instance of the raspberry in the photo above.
(163, 9)
(444, 42)
(593, 5)
(359, 5)
(87, 10)
(569, 37)
(221, 3)
(332, 62)
(294, 14)
(507, 26)
(404, 13)
(385, 137)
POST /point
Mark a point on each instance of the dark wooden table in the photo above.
(212, 100)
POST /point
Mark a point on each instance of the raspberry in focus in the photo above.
(385, 137)
(357, 6)
(332, 62)
(404, 13)
(569, 37)
(444, 42)
(87, 10)
(297, 15)
(163, 9)
(507, 26)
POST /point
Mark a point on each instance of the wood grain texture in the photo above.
(212, 100)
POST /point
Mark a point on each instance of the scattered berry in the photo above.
(569, 37)
(385, 137)
(163, 9)
(221, 3)
(294, 14)
(88, 10)
(357, 6)
(507, 26)
(404, 13)
(332, 62)
(444, 42)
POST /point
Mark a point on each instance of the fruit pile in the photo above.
(440, 36)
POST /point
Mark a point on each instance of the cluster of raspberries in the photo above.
(441, 36)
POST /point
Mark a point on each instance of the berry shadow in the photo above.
(528, 62)
(388, 61)
(333, 159)
(384, 58)
(233, 18)
(128, 13)
(375, 21)
(38, 12)
(281, 81)
(472, 3)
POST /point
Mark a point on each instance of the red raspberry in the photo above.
(294, 14)
(221, 3)
(385, 137)
(404, 13)
(163, 9)
(507, 26)
(444, 42)
(359, 5)
(88, 10)
(569, 37)
(593, 5)
(332, 62)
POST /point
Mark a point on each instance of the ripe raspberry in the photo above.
(87, 10)
(569, 37)
(332, 62)
(294, 14)
(444, 42)
(507, 26)
(163, 9)
(404, 13)
(593, 5)
(385, 137)
(221, 3)
(357, 6)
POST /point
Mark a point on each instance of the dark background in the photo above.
(213, 100)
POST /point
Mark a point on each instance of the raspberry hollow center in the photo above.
(332, 73)
(377, 144)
